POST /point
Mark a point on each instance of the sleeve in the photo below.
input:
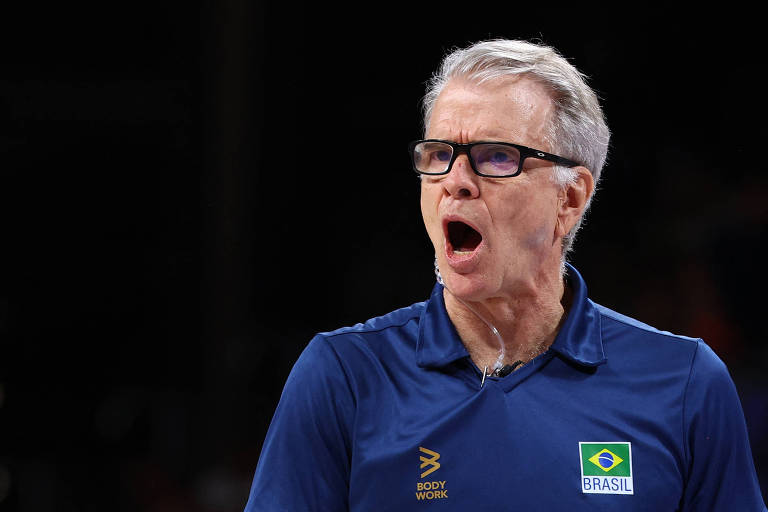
(304, 462)
(721, 473)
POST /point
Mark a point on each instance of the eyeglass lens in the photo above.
(489, 159)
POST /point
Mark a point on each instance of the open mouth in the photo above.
(462, 237)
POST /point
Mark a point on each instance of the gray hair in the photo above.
(578, 130)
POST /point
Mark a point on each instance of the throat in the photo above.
(524, 331)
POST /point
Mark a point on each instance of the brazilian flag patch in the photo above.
(606, 468)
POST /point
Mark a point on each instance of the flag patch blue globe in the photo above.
(606, 459)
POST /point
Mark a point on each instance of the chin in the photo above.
(468, 287)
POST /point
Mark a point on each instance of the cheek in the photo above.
(429, 213)
(539, 238)
(531, 228)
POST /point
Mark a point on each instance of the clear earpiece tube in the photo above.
(500, 360)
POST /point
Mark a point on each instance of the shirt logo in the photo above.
(606, 468)
(434, 489)
(431, 461)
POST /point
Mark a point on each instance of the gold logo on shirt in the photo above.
(431, 489)
(428, 461)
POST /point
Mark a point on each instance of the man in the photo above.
(508, 389)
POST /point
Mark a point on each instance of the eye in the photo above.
(496, 159)
(499, 158)
(432, 157)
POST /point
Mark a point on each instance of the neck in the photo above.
(527, 320)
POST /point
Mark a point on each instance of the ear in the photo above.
(573, 200)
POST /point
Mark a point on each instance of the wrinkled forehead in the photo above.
(511, 108)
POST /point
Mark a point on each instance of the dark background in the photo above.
(180, 215)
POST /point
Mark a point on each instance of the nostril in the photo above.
(464, 192)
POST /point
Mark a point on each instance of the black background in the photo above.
(180, 213)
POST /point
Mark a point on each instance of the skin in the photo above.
(513, 279)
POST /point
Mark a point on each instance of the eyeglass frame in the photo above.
(459, 148)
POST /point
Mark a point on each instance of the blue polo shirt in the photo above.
(390, 415)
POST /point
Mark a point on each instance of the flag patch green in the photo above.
(606, 468)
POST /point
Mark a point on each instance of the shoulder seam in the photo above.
(355, 329)
(684, 447)
(650, 329)
(341, 365)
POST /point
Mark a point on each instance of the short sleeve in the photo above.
(305, 459)
(721, 473)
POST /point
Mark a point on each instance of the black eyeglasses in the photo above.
(489, 159)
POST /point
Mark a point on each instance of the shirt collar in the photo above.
(579, 339)
(439, 343)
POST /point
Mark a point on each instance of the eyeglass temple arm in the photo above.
(535, 153)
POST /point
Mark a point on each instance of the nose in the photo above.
(461, 181)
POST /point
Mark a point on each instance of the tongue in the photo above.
(464, 238)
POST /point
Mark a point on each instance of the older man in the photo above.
(508, 389)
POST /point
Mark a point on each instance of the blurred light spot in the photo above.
(221, 489)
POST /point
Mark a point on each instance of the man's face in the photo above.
(510, 241)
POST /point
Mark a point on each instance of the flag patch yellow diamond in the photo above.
(606, 460)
